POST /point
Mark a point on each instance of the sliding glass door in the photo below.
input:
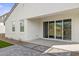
(67, 29)
(51, 29)
(59, 29)
(45, 29)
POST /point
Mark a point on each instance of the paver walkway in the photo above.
(17, 50)
(23, 49)
(30, 49)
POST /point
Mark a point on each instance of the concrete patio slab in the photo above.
(72, 49)
(57, 52)
(50, 43)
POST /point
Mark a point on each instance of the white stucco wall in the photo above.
(34, 28)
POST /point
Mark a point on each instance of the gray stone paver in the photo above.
(18, 51)
(24, 50)
(30, 45)
(37, 47)
(41, 48)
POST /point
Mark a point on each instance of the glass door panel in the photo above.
(59, 29)
(45, 29)
(51, 29)
(67, 29)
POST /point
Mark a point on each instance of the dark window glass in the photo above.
(67, 29)
(22, 26)
(13, 27)
(45, 29)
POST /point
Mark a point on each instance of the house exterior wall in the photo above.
(2, 28)
(33, 29)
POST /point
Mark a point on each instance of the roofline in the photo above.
(55, 13)
(4, 14)
(8, 14)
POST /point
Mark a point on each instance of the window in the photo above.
(59, 29)
(51, 29)
(67, 29)
(13, 26)
(21, 25)
(45, 29)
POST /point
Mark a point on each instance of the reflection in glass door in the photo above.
(59, 29)
(51, 29)
(45, 29)
(67, 29)
(62, 28)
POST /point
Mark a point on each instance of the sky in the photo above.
(5, 7)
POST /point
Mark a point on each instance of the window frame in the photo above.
(21, 25)
(13, 26)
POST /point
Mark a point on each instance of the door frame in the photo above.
(55, 31)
